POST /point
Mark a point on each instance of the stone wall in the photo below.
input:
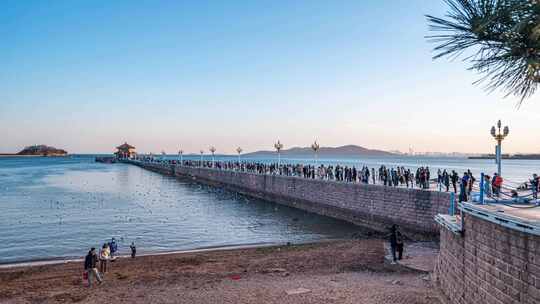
(489, 264)
(372, 206)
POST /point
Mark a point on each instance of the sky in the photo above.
(87, 76)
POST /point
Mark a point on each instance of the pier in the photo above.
(373, 206)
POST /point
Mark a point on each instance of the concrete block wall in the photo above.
(489, 264)
(373, 206)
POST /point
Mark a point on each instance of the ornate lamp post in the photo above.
(202, 152)
(239, 150)
(499, 137)
(213, 150)
(278, 147)
(315, 146)
(181, 154)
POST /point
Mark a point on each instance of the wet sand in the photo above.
(351, 271)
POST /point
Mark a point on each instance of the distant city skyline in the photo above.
(87, 77)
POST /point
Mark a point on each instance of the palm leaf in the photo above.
(501, 37)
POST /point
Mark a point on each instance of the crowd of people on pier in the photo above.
(399, 176)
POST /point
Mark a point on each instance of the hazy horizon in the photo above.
(85, 77)
(285, 149)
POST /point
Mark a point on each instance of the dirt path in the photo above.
(337, 272)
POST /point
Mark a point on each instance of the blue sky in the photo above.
(164, 75)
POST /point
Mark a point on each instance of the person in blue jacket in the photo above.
(113, 246)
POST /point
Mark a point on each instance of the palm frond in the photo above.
(501, 36)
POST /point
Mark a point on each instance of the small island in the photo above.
(39, 150)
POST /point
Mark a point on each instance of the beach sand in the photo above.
(348, 271)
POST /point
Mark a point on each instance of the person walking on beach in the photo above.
(90, 266)
(133, 250)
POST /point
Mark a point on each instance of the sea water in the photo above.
(60, 207)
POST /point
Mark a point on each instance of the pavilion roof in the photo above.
(125, 146)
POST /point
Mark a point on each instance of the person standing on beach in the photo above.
(399, 245)
(90, 266)
(133, 250)
(396, 243)
(104, 256)
(113, 247)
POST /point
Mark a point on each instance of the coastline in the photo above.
(65, 260)
(345, 271)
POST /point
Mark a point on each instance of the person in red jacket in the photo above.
(496, 184)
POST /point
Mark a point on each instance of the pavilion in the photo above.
(125, 151)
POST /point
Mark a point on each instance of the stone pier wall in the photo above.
(372, 206)
(488, 264)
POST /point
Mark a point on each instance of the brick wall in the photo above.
(373, 206)
(489, 264)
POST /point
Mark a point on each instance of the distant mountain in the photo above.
(42, 150)
(343, 151)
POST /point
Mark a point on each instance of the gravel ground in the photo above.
(351, 271)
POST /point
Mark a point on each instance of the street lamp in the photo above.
(213, 150)
(278, 147)
(315, 146)
(180, 153)
(499, 136)
(239, 150)
(202, 152)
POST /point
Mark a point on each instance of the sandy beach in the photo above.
(349, 271)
